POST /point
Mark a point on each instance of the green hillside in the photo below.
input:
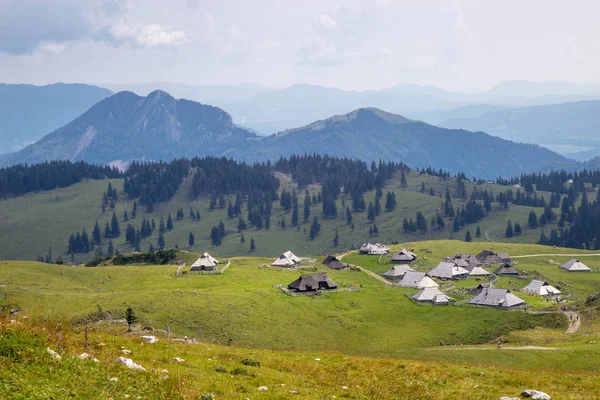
(34, 222)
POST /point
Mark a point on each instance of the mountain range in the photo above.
(126, 127)
(571, 129)
(28, 112)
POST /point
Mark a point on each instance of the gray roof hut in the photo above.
(432, 295)
(312, 283)
(575, 265)
(447, 270)
(205, 263)
(403, 256)
(417, 280)
(489, 257)
(373, 249)
(333, 263)
(287, 260)
(507, 270)
(541, 288)
(479, 288)
(497, 298)
(397, 272)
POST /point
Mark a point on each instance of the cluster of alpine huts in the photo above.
(460, 267)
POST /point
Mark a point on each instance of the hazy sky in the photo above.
(464, 45)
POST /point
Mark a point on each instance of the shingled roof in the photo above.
(417, 280)
(432, 295)
(448, 270)
(397, 272)
(287, 259)
(403, 256)
(205, 262)
(373, 249)
(497, 298)
(541, 288)
(489, 257)
(312, 283)
(333, 263)
(575, 265)
(506, 269)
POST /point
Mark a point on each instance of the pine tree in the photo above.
(377, 206)
(478, 232)
(134, 210)
(532, 220)
(197, 215)
(191, 240)
(336, 239)
(371, 212)
(125, 216)
(315, 228)
(153, 226)
(468, 237)
(375, 229)
(169, 223)
(161, 242)
(192, 214)
(295, 210)
(509, 229)
(161, 227)
(115, 231)
(230, 213)
(517, 228)
(96, 235)
(456, 225)
(215, 236)
(130, 318)
(252, 244)
(282, 223)
(151, 248)
(107, 233)
(306, 214)
(422, 187)
(111, 249)
(348, 216)
(222, 228)
(403, 182)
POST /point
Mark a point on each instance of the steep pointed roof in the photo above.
(417, 280)
(287, 259)
(506, 269)
(312, 282)
(575, 265)
(478, 271)
(448, 270)
(403, 256)
(397, 272)
(333, 262)
(541, 288)
(498, 298)
(206, 260)
(432, 294)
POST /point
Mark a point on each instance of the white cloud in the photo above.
(51, 47)
(147, 35)
(326, 21)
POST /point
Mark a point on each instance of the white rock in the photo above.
(53, 353)
(84, 356)
(95, 360)
(344, 387)
(113, 379)
(126, 351)
(509, 398)
(150, 339)
(263, 388)
(178, 359)
(164, 371)
(535, 394)
(317, 359)
(128, 362)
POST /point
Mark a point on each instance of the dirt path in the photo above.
(557, 255)
(366, 271)
(456, 348)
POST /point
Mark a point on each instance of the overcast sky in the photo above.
(466, 45)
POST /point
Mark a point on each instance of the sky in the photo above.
(460, 45)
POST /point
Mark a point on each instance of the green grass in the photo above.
(37, 221)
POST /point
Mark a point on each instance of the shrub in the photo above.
(251, 362)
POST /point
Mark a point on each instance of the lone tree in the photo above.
(468, 237)
(130, 318)
(191, 239)
(509, 229)
(252, 245)
(478, 232)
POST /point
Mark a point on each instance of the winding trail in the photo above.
(557, 255)
(574, 322)
(366, 271)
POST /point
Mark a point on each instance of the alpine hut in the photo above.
(312, 283)
(403, 256)
(479, 288)
(432, 295)
(333, 263)
(575, 265)
(477, 271)
(541, 288)
(397, 272)
(497, 298)
(489, 257)
(448, 271)
(287, 260)
(417, 280)
(506, 270)
(373, 249)
(205, 263)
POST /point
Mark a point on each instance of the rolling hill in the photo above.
(28, 112)
(571, 129)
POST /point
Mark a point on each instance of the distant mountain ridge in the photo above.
(572, 129)
(28, 112)
(127, 127)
